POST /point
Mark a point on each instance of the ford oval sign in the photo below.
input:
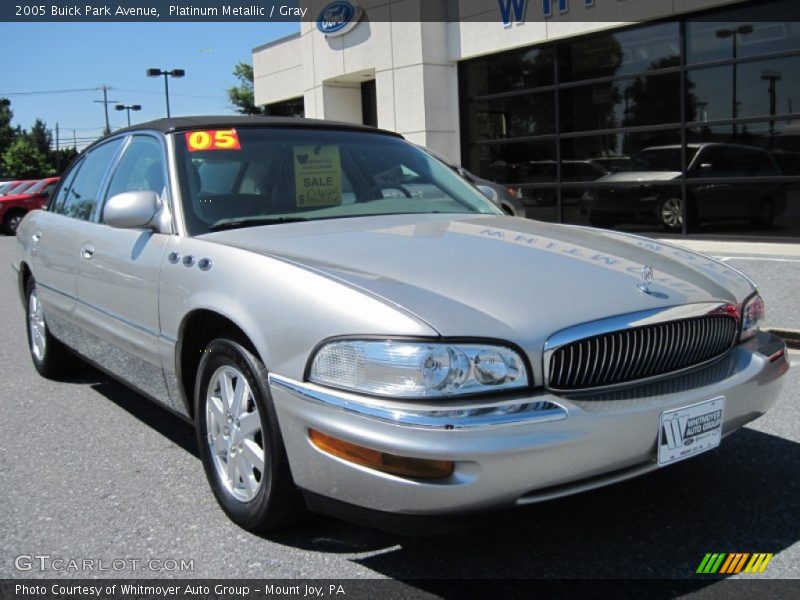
(337, 18)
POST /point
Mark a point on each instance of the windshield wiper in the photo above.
(253, 222)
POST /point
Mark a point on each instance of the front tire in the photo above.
(12, 221)
(239, 439)
(50, 357)
(670, 214)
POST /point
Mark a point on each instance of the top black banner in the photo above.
(331, 14)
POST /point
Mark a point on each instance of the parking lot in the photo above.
(91, 470)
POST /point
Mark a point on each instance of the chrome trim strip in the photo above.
(620, 324)
(469, 417)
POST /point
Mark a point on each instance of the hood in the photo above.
(495, 276)
(640, 176)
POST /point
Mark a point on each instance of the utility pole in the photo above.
(58, 153)
(105, 102)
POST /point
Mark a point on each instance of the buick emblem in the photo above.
(647, 279)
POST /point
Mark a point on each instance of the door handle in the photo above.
(37, 235)
(87, 250)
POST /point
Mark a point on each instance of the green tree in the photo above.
(63, 158)
(24, 160)
(7, 133)
(41, 137)
(242, 96)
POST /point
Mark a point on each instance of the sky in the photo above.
(48, 57)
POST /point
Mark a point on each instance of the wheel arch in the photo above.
(24, 276)
(199, 327)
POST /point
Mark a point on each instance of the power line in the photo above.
(46, 92)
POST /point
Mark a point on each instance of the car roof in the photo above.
(218, 121)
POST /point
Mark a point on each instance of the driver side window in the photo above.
(141, 168)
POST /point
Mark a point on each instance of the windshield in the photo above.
(659, 159)
(256, 176)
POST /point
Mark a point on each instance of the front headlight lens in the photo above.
(416, 369)
(753, 313)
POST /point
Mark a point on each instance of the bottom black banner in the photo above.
(357, 589)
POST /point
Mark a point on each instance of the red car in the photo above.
(17, 187)
(14, 207)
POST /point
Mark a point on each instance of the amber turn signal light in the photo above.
(403, 466)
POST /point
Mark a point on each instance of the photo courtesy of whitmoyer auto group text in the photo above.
(402, 299)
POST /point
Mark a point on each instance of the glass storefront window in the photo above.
(743, 32)
(517, 116)
(763, 88)
(623, 122)
(616, 152)
(625, 52)
(515, 163)
(651, 100)
(509, 72)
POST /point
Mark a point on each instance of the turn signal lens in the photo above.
(753, 313)
(403, 466)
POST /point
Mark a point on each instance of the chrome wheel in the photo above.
(672, 213)
(234, 433)
(36, 326)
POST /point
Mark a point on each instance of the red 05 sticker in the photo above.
(215, 139)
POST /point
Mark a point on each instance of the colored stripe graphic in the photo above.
(758, 563)
(734, 563)
(724, 563)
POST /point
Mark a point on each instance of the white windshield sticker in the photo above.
(318, 176)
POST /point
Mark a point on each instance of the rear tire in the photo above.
(50, 357)
(240, 441)
(766, 213)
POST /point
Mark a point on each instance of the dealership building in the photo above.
(642, 115)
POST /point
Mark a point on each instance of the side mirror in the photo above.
(489, 193)
(132, 210)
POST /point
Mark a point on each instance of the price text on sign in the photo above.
(215, 139)
(318, 176)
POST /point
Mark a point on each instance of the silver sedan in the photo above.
(352, 327)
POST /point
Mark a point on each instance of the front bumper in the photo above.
(511, 450)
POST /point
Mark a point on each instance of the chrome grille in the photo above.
(640, 352)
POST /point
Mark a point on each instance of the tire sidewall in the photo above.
(40, 365)
(223, 352)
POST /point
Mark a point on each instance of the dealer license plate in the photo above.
(688, 431)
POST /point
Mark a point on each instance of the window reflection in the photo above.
(518, 116)
(619, 136)
(629, 103)
(512, 71)
(620, 53)
(708, 40)
(764, 88)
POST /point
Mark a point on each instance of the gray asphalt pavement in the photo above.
(91, 470)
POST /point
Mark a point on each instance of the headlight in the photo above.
(752, 317)
(400, 369)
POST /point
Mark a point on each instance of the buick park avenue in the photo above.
(348, 323)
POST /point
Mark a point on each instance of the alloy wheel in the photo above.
(234, 433)
(36, 326)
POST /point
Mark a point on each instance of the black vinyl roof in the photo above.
(220, 121)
